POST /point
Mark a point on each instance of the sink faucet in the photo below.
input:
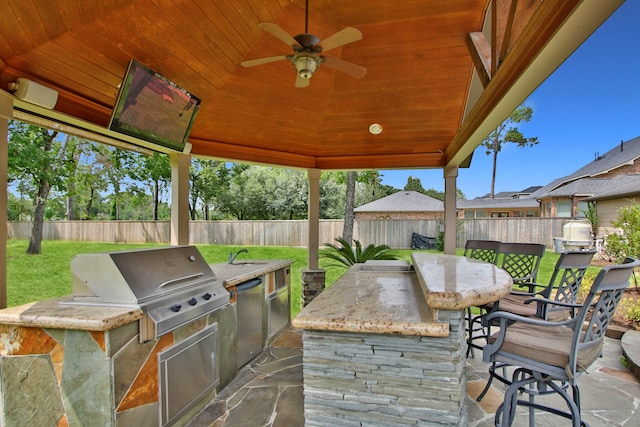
(232, 257)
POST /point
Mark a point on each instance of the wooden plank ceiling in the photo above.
(419, 70)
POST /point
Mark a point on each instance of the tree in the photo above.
(155, 171)
(414, 184)
(506, 133)
(34, 155)
(209, 179)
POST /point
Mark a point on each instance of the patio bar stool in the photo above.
(553, 355)
(483, 250)
(563, 288)
(521, 261)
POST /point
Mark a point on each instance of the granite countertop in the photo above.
(58, 313)
(243, 270)
(451, 282)
(390, 297)
(379, 300)
(52, 314)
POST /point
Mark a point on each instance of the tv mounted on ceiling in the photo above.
(154, 109)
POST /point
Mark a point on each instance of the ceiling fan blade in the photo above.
(260, 61)
(278, 32)
(300, 82)
(346, 67)
(342, 37)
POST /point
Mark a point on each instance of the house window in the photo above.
(563, 209)
(469, 214)
(480, 214)
(499, 214)
(582, 208)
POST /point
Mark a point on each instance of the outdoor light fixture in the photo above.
(306, 66)
(375, 129)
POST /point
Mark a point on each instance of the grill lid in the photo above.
(138, 277)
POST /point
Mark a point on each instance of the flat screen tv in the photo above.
(154, 109)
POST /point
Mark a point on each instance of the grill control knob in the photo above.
(193, 301)
(207, 296)
(176, 308)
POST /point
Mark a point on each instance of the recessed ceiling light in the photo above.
(375, 129)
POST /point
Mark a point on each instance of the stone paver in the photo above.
(268, 392)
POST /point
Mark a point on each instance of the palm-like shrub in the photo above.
(346, 256)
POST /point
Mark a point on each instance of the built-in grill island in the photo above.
(173, 287)
(147, 338)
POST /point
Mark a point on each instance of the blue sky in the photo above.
(588, 105)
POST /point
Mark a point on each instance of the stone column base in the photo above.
(313, 282)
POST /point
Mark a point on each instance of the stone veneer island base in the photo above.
(377, 354)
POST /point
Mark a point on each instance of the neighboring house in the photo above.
(402, 205)
(504, 204)
(568, 197)
(498, 208)
(611, 180)
(609, 202)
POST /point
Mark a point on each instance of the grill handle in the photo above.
(180, 279)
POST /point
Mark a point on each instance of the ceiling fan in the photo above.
(306, 57)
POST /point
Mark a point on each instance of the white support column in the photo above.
(450, 214)
(314, 217)
(180, 164)
(6, 113)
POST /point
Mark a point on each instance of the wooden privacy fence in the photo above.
(393, 232)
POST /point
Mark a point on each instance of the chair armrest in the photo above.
(552, 302)
(529, 285)
(524, 294)
(505, 319)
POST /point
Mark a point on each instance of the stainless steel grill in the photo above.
(172, 286)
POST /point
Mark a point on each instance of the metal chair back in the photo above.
(483, 250)
(567, 276)
(520, 260)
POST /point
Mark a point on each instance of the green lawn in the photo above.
(39, 277)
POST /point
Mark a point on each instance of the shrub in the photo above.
(627, 242)
(346, 255)
(630, 309)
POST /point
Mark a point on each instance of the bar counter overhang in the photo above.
(386, 342)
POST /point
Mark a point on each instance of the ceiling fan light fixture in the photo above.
(306, 66)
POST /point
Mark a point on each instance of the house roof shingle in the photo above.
(624, 189)
(403, 201)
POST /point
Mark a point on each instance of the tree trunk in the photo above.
(89, 207)
(35, 242)
(347, 231)
(71, 200)
(493, 174)
(156, 202)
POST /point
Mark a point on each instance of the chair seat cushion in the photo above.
(515, 304)
(547, 345)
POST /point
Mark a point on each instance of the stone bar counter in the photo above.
(385, 344)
